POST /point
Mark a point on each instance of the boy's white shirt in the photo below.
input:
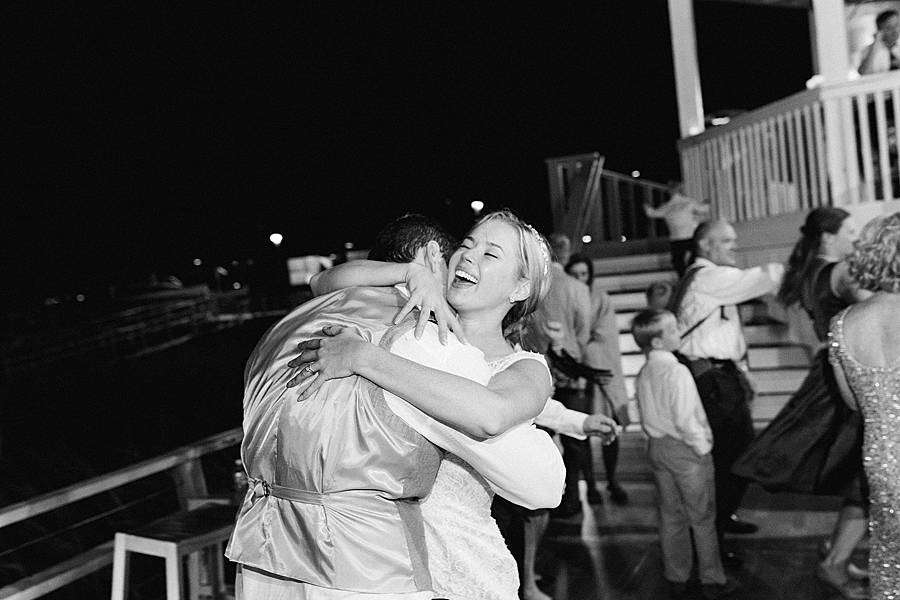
(670, 404)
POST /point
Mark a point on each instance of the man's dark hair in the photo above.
(399, 240)
(884, 16)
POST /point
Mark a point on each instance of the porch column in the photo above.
(831, 58)
(829, 28)
(687, 72)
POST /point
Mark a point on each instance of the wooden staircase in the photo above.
(778, 362)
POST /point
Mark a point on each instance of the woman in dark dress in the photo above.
(813, 445)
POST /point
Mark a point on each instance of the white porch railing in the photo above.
(834, 145)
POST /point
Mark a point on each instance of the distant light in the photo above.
(693, 130)
(222, 271)
(720, 120)
(348, 245)
(236, 285)
(51, 302)
(197, 262)
(235, 263)
(79, 297)
(477, 206)
(623, 239)
(276, 238)
(635, 173)
(586, 239)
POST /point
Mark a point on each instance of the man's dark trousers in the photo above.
(726, 395)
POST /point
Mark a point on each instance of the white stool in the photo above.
(183, 534)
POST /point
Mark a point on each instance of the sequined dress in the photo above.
(467, 556)
(877, 390)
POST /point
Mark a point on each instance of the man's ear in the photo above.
(703, 246)
(656, 343)
(434, 258)
(522, 291)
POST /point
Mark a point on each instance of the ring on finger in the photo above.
(308, 369)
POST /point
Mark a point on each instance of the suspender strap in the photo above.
(678, 297)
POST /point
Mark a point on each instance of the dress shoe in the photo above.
(835, 577)
(713, 591)
(735, 525)
(593, 496)
(678, 590)
(617, 493)
(731, 560)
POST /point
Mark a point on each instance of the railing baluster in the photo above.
(802, 153)
(783, 177)
(759, 176)
(792, 190)
(768, 127)
(825, 198)
(812, 159)
(865, 144)
(728, 147)
(850, 148)
(887, 192)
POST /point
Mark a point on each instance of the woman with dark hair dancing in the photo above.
(813, 445)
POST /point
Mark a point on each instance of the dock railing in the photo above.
(183, 464)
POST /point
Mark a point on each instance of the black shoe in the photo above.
(593, 496)
(617, 493)
(714, 591)
(678, 590)
(731, 560)
(735, 525)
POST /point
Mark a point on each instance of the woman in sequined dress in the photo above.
(865, 351)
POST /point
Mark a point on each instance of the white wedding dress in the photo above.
(467, 556)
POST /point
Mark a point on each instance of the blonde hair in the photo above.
(875, 262)
(534, 265)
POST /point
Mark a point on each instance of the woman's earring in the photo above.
(511, 299)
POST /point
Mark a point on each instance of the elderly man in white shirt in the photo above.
(714, 348)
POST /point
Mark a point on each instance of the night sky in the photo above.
(141, 136)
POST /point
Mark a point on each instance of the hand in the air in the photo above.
(331, 357)
(426, 291)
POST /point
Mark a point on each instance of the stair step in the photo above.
(628, 301)
(777, 357)
(756, 335)
(633, 263)
(764, 381)
(777, 381)
(766, 406)
(633, 281)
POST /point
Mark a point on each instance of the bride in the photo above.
(496, 279)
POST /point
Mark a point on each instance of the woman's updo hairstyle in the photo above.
(875, 263)
(819, 221)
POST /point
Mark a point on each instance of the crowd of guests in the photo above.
(513, 340)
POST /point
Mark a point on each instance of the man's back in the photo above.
(336, 475)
